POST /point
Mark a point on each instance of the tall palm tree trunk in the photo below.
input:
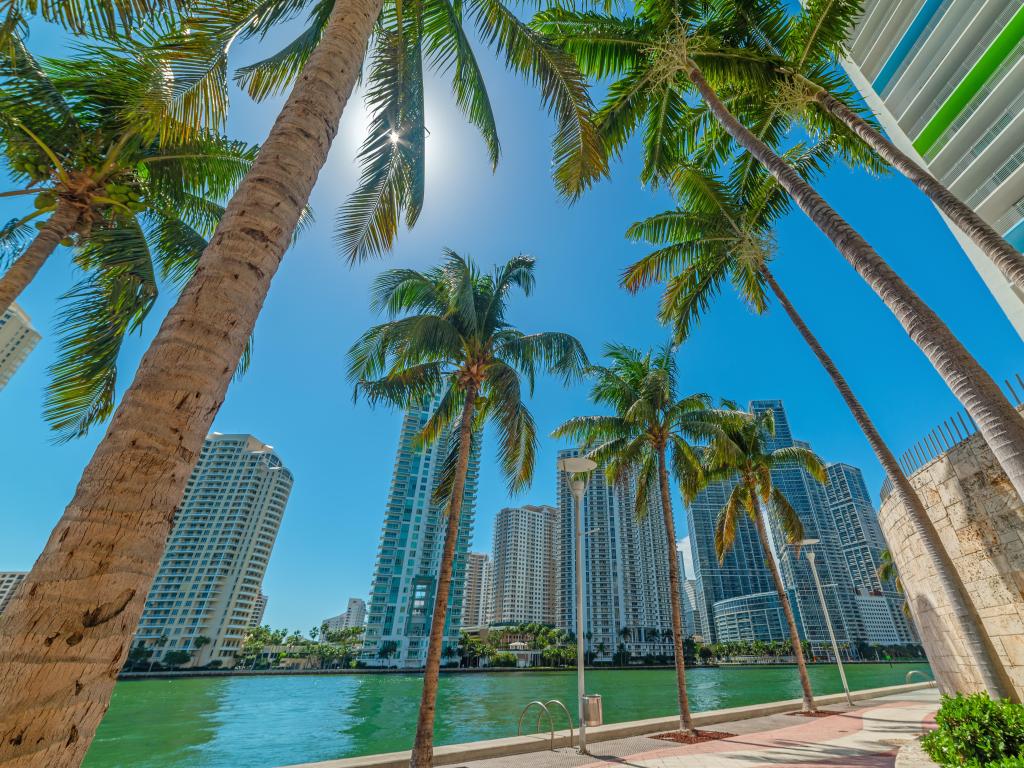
(685, 721)
(24, 269)
(423, 746)
(1008, 259)
(69, 628)
(787, 608)
(979, 644)
(998, 422)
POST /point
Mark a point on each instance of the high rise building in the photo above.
(526, 565)
(412, 539)
(258, 610)
(354, 616)
(944, 78)
(476, 600)
(742, 572)
(208, 583)
(9, 581)
(17, 339)
(861, 540)
(626, 587)
(807, 496)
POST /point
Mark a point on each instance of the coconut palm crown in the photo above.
(449, 334)
(410, 38)
(86, 143)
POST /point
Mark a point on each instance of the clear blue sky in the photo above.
(295, 397)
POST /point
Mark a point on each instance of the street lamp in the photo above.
(824, 609)
(579, 468)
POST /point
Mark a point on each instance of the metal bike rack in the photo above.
(551, 723)
(913, 672)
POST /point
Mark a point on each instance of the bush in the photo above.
(976, 731)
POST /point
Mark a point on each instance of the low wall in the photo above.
(980, 520)
(516, 745)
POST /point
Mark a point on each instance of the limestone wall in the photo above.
(980, 520)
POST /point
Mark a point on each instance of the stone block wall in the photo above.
(980, 520)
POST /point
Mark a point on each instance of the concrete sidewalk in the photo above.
(867, 735)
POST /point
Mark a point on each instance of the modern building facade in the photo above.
(739, 596)
(625, 567)
(527, 547)
(478, 595)
(354, 616)
(9, 581)
(944, 78)
(208, 583)
(259, 610)
(17, 339)
(860, 538)
(409, 556)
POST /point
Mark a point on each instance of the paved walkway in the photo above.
(865, 736)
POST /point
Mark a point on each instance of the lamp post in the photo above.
(579, 469)
(824, 609)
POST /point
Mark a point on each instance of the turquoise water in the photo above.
(264, 722)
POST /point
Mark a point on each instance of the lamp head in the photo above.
(575, 465)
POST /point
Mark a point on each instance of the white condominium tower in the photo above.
(258, 610)
(17, 339)
(9, 581)
(526, 552)
(625, 567)
(477, 597)
(354, 616)
(208, 584)
(944, 78)
(409, 556)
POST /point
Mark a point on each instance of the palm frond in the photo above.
(789, 520)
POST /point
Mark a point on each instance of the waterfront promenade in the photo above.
(867, 735)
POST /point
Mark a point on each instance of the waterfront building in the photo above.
(625, 569)
(258, 610)
(17, 339)
(526, 565)
(879, 604)
(944, 78)
(354, 616)
(9, 581)
(478, 595)
(412, 539)
(751, 617)
(208, 582)
(688, 601)
(808, 498)
(742, 572)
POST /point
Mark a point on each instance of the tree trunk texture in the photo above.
(1008, 259)
(979, 644)
(423, 746)
(685, 721)
(998, 422)
(24, 269)
(787, 609)
(68, 630)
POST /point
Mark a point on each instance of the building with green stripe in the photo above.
(946, 79)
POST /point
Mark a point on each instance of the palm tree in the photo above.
(741, 455)
(81, 140)
(808, 64)
(722, 232)
(643, 442)
(90, 582)
(665, 54)
(448, 337)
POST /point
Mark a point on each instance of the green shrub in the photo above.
(976, 731)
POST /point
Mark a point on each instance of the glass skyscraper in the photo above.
(401, 602)
(944, 78)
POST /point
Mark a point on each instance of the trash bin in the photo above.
(592, 709)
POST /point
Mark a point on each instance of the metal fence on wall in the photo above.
(947, 435)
